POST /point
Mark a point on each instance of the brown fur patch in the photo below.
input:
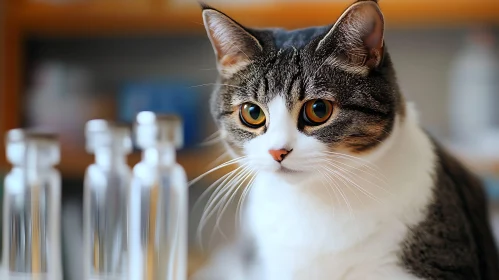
(368, 138)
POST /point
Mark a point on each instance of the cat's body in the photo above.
(311, 234)
(347, 188)
(422, 230)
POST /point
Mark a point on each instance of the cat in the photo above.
(347, 185)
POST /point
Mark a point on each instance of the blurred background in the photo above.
(64, 62)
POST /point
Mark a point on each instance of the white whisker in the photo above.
(211, 142)
(346, 179)
(227, 163)
(219, 158)
(220, 190)
(240, 203)
(361, 169)
(212, 139)
(331, 163)
(331, 180)
(346, 182)
(212, 136)
(213, 201)
(330, 196)
(235, 182)
(213, 185)
(225, 201)
(367, 163)
(237, 185)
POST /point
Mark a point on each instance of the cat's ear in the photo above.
(355, 42)
(234, 47)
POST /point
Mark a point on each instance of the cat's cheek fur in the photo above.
(364, 244)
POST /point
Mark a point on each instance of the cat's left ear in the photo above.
(355, 42)
(234, 46)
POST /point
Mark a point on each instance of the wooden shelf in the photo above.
(140, 16)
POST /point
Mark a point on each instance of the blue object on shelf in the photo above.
(163, 97)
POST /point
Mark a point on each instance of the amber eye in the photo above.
(252, 115)
(317, 111)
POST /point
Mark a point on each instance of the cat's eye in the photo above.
(317, 111)
(252, 115)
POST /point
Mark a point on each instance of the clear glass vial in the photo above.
(31, 213)
(106, 188)
(158, 202)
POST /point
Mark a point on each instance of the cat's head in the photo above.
(288, 99)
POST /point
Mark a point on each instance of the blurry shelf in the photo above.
(481, 162)
(481, 166)
(143, 16)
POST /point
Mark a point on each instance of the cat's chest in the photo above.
(314, 217)
(300, 236)
(368, 262)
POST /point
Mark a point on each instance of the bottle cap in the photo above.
(19, 134)
(152, 129)
(20, 142)
(106, 134)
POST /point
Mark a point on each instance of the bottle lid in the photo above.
(152, 129)
(101, 133)
(19, 134)
(21, 142)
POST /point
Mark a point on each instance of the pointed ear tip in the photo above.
(367, 3)
(372, 1)
(372, 7)
(207, 9)
(204, 6)
(208, 13)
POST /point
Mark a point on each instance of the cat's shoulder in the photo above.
(454, 240)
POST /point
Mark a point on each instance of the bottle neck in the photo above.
(107, 157)
(36, 159)
(37, 164)
(162, 155)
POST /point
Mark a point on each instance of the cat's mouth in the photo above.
(284, 170)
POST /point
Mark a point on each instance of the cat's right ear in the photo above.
(234, 47)
(355, 42)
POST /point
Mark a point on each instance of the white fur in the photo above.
(304, 231)
(281, 134)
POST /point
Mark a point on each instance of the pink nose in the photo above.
(279, 155)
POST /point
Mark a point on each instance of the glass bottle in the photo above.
(106, 189)
(158, 202)
(32, 203)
